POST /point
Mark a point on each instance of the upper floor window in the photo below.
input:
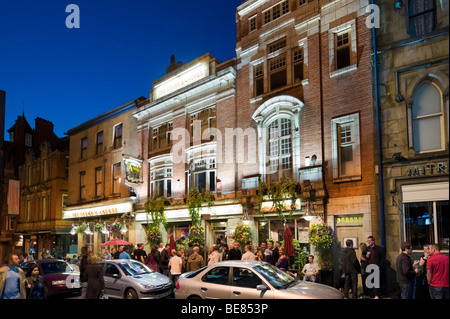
(28, 140)
(280, 148)
(346, 147)
(118, 136)
(422, 17)
(202, 174)
(82, 185)
(276, 11)
(98, 181)
(161, 182)
(427, 118)
(252, 23)
(83, 148)
(99, 143)
(298, 59)
(277, 72)
(301, 2)
(259, 79)
(117, 177)
(342, 50)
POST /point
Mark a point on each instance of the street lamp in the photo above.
(309, 212)
(245, 219)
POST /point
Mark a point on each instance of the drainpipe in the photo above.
(379, 134)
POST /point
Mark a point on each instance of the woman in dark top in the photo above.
(283, 262)
(94, 276)
(36, 288)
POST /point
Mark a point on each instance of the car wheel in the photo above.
(131, 294)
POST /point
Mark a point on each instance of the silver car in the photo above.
(248, 280)
(131, 279)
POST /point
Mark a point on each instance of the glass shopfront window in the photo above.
(427, 222)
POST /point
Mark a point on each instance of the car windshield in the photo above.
(277, 278)
(132, 268)
(55, 267)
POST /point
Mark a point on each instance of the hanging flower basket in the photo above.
(196, 235)
(320, 235)
(115, 229)
(242, 234)
(153, 237)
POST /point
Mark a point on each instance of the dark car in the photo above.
(59, 276)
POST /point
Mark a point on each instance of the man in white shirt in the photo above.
(214, 256)
(310, 270)
(248, 255)
(175, 266)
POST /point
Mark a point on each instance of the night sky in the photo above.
(69, 76)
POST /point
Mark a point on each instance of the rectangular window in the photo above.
(98, 182)
(346, 148)
(277, 45)
(276, 11)
(422, 17)
(99, 147)
(259, 79)
(427, 222)
(301, 2)
(277, 73)
(28, 140)
(117, 178)
(118, 136)
(82, 186)
(342, 46)
(83, 148)
(252, 23)
(298, 64)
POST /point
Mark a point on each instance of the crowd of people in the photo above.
(427, 278)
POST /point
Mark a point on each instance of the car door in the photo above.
(215, 284)
(112, 278)
(245, 285)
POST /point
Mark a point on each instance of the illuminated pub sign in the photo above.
(132, 171)
(98, 211)
(188, 76)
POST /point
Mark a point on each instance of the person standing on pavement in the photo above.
(195, 261)
(116, 255)
(248, 255)
(276, 252)
(164, 260)
(140, 254)
(350, 268)
(406, 274)
(214, 256)
(86, 252)
(124, 254)
(438, 273)
(94, 275)
(12, 279)
(374, 256)
(175, 266)
(235, 253)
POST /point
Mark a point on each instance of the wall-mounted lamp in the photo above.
(309, 212)
(398, 156)
(263, 223)
(398, 4)
(73, 231)
(88, 230)
(245, 219)
(124, 228)
(314, 159)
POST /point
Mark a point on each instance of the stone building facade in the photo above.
(413, 79)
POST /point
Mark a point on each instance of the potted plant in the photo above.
(321, 237)
(155, 208)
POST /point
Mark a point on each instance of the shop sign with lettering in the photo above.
(427, 169)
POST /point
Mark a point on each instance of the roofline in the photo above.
(106, 116)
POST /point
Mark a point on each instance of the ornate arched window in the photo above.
(278, 137)
(427, 117)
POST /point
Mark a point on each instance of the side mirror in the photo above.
(116, 276)
(261, 287)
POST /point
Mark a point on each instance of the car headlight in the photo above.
(58, 282)
(148, 286)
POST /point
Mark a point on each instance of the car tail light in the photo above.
(177, 287)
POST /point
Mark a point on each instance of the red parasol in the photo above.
(172, 243)
(116, 242)
(288, 244)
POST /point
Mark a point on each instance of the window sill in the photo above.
(343, 70)
(286, 87)
(347, 179)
